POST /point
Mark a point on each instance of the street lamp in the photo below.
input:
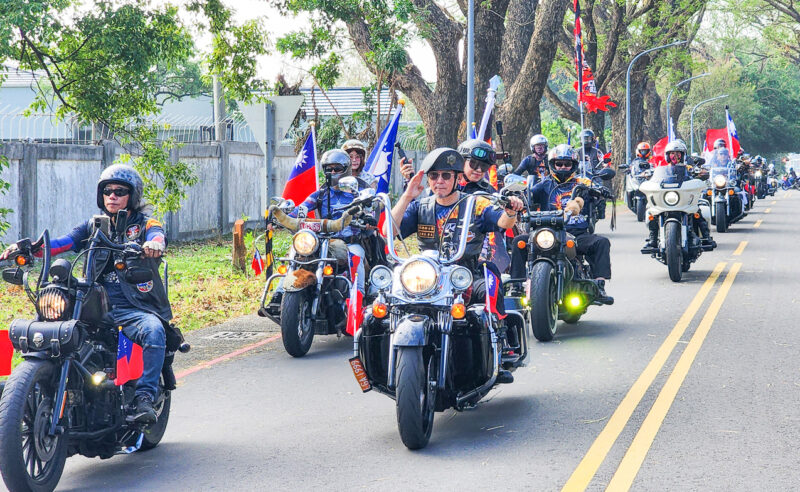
(691, 119)
(470, 64)
(669, 96)
(628, 96)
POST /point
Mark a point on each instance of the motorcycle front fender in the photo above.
(411, 330)
(298, 280)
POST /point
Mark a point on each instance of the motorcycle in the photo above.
(726, 199)
(634, 198)
(422, 343)
(760, 183)
(561, 285)
(314, 282)
(675, 202)
(62, 399)
(772, 185)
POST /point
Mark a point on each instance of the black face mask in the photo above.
(562, 175)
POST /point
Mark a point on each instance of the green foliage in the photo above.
(165, 182)
(4, 187)
(555, 129)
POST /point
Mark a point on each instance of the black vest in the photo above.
(428, 231)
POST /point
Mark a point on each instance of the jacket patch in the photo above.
(133, 232)
(145, 286)
(426, 231)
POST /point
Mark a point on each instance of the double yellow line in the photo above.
(636, 453)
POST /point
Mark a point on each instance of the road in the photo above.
(690, 386)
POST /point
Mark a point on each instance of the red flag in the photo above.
(258, 263)
(354, 310)
(585, 86)
(713, 134)
(658, 158)
(130, 364)
(492, 288)
(6, 353)
(303, 178)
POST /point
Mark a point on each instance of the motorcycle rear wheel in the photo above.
(415, 398)
(672, 233)
(543, 301)
(30, 459)
(297, 328)
(722, 219)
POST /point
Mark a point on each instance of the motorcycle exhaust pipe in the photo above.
(480, 391)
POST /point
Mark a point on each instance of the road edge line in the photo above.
(632, 461)
(223, 358)
(594, 457)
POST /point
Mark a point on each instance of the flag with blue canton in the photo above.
(379, 163)
(492, 286)
(303, 177)
(732, 135)
(130, 362)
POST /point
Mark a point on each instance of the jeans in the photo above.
(147, 330)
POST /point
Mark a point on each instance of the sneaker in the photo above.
(143, 411)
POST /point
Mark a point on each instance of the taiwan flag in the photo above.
(6, 353)
(492, 286)
(303, 178)
(713, 134)
(130, 364)
(658, 158)
(258, 263)
(379, 163)
(354, 303)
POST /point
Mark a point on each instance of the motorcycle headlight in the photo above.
(305, 243)
(758, 174)
(720, 181)
(461, 278)
(672, 198)
(380, 277)
(54, 304)
(418, 277)
(544, 239)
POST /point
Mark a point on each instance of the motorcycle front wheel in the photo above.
(641, 210)
(30, 459)
(722, 218)
(672, 233)
(543, 301)
(297, 328)
(415, 398)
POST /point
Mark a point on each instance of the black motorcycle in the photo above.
(315, 276)
(62, 400)
(561, 284)
(423, 344)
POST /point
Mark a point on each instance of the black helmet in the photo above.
(562, 153)
(123, 174)
(336, 156)
(478, 150)
(587, 137)
(443, 159)
(720, 143)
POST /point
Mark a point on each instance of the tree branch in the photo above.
(565, 110)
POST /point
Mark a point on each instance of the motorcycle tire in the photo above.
(33, 460)
(722, 219)
(415, 401)
(297, 327)
(641, 210)
(672, 236)
(543, 301)
(155, 432)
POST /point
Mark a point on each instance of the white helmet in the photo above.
(537, 140)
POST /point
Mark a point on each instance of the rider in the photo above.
(592, 157)
(478, 156)
(641, 163)
(535, 164)
(430, 218)
(358, 156)
(553, 193)
(720, 143)
(675, 154)
(143, 309)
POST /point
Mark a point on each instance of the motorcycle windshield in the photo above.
(670, 175)
(728, 172)
(720, 158)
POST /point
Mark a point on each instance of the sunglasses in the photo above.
(434, 175)
(479, 165)
(116, 191)
(333, 169)
(562, 164)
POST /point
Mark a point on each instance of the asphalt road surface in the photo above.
(690, 386)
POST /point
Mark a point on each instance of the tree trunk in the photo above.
(654, 127)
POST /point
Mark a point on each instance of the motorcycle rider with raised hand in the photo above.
(143, 310)
(535, 164)
(554, 193)
(675, 155)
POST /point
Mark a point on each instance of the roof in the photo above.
(12, 77)
(346, 100)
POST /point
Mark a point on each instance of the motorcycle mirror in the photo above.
(514, 182)
(103, 223)
(366, 194)
(138, 275)
(59, 270)
(348, 184)
(286, 206)
(13, 275)
(504, 169)
(623, 167)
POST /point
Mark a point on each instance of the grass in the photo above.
(204, 287)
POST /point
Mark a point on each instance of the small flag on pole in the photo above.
(379, 163)
(258, 263)
(130, 362)
(492, 288)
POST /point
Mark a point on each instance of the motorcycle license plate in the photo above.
(360, 374)
(312, 226)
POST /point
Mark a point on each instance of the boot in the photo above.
(143, 411)
(602, 297)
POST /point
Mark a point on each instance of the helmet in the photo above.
(675, 146)
(562, 152)
(539, 140)
(771, 166)
(477, 150)
(336, 156)
(643, 150)
(356, 145)
(443, 159)
(720, 142)
(123, 174)
(587, 137)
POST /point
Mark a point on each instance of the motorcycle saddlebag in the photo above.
(55, 337)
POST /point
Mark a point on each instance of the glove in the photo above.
(154, 245)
